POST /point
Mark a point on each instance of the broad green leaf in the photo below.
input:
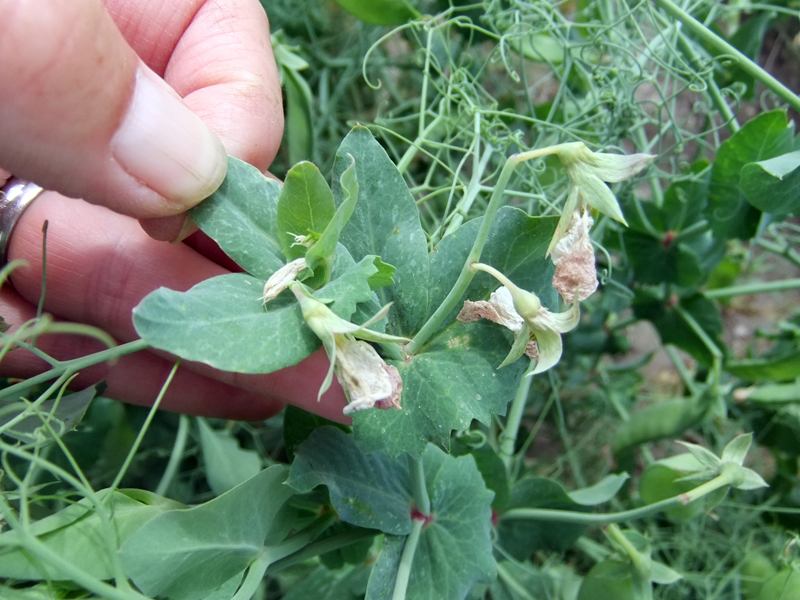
(454, 381)
(601, 492)
(323, 584)
(523, 581)
(663, 574)
(783, 585)
(305, 207)
(773, 185)
(490, 465)
(736, 450)
(385, 223)
(614, 580)
(223, 321)
(454, 550)
(766, 136)
(320, 256)
(76, 534)
(775, 368)
(381, 12)
(298, 424)
(522, 537)
(241, 217)
(660, 481)
(655, 261)
(227, 463)
(187, 554)
(455, 378)
(368, 490)
(61, 414)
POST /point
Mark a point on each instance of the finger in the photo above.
(135, 378)
(218, 56)
(86, 117)
(100, 265)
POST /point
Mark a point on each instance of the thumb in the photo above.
(83, 115)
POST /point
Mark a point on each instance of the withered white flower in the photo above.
(498, 309)
(573, 256)
(281, 279)
(587, 172)
(365, 377)
(546, 327)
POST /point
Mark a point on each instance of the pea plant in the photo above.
(481, 211)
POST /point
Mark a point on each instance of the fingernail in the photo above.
(162, 143)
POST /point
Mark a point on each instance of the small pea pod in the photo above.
(665, 420)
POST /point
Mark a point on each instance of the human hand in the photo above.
(90, 116)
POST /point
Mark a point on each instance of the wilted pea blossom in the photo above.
(281, 279)
(537, 322)
(498, 309)
(573, 255)
(587, 172)
(365, 377)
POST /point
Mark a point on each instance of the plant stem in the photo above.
(744, 62)
(175, 456)
(508, 439)
(466, 275)
(418, 488)
(145, 426)
(568, 516)
(760, 287)
(404, 568)
(69, 367)
(329, 544)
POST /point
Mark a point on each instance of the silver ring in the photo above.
(15, 196)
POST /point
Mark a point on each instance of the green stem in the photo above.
(415, 147)
(466, 275)
(175, 456)
(716, 353)
(329, 544)
(568, 516)
(508, 439)
(760, 287)
(457, 216)
(418, 488)
(255, 574)
(641, 563)
(512, 583)
(70, 367)
(744, 62)
(145, 426)
(404, 568)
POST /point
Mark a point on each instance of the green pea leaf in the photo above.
(305, 207)
(601, 492)
(766, 136)
(227, 463)
(62, 414)
(223, 321)
(187, 554)
(320, 256)
(385, 223)
(380, 12)
(454, 549)
(773, 185)
(241, 217)
(76, 533)
(368, 490)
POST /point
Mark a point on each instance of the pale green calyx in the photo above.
(365, 377)
(588, 173)
(700, 463)
(537, 322)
